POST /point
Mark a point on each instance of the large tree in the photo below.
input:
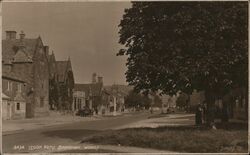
(174, 46)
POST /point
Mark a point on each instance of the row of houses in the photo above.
(103, 100)
(33, 82)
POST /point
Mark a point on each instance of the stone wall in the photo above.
(41, 83)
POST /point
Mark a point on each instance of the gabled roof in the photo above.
(22, 56)
(93, 89)
(62, 68)
(82, 87)
(52, 64)
(12, 76)
(10, 47)
(5, 97)
(122, 90)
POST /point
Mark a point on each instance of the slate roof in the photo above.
(82, 87)
(5, 97)
(94, 88)
(115, 89)
(62, 68)
(10, 47)
(12, 76)
(52, 64)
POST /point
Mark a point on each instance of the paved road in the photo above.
(49, 139)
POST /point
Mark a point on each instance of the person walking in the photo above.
(198, 115)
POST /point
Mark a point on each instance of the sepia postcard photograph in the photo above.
(122, 77)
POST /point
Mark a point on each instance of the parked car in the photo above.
(84, 112)
(171, 110)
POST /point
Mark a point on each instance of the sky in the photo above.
(87, 32)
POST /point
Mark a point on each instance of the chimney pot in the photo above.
(100, 79)
(94, 78)
(22, 35)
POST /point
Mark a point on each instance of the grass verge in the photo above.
(227, 138)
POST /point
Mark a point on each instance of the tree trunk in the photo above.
(210, 111)
(225, 109)
(246, 101)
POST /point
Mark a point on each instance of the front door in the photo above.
(87, 103)
(9, 110)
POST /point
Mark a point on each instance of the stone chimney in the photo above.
(10, 35)
(94, 78)
(100, 79)
(22, 35)
(46, 50)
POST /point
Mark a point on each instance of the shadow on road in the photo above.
(75, 135)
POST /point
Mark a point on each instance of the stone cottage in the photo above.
(13, 97)
(28, 58)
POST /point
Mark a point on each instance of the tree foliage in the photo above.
(157, 101)
(135, 99)
(182, 100)
(53, 93)
(174, 46)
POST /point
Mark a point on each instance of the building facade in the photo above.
(66, 83)
(13, 97)
(81, 97)
(53, 83)
(28, 58)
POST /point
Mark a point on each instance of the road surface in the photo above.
(59, 137)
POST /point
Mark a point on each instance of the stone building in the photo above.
(13, 97)
(82, 97)
(65, 79)
(53, 83)
(28, 58)
(89, 95)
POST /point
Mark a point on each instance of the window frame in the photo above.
(18, 106)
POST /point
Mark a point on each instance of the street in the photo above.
(47, 138)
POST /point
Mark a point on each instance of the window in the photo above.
(41, 101)
(69, 92)
(19, 87)
(75, 103)
(9, 87)
(17, 106)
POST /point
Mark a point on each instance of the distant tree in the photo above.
(174, 46)
(157, 101)
(135, 99)
(182, 100)
(146, 101)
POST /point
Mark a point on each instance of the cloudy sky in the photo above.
(85, 31)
